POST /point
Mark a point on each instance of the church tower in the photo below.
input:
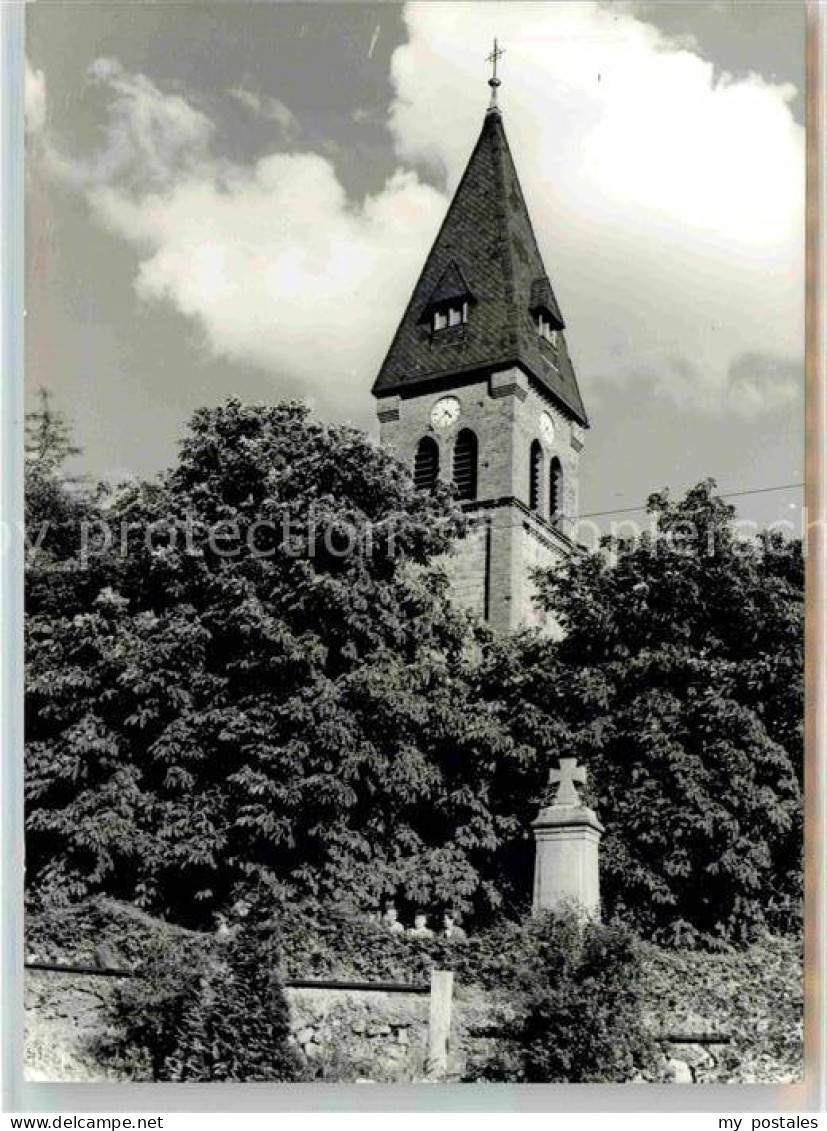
(478, 389)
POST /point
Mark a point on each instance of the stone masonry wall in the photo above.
(491, 571)
(467, 568)
(358, 1035)
(383, 1037)
(343, 1034)
(349, 1034)
(64, 1016)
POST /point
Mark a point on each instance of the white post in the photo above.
(439, 1023)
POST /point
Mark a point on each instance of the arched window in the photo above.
(535, 472)
(465, 464)
(426, 464)
(555, 490)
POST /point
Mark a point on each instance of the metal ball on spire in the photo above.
(494, 82)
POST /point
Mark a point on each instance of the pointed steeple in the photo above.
(487, 252)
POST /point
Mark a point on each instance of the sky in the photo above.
(236, 199)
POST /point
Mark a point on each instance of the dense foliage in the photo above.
(571, 991)
(679, 685)
(242, 709)
(202, 1007)
(754, 996)
(579, 1015)
(74, 933)
(315, 943)
(203, 1010)
(245, 677)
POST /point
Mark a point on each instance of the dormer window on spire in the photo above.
(545, 329)
(452, 314)
(449, 301)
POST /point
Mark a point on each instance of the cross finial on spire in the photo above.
(496, 54)
(494, 82)
(564, 779)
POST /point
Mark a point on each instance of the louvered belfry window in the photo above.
(555, 490)
(535, 482)
(426, 464)
(465, 465)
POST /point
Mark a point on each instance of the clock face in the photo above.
(547, 428)
(445, 412)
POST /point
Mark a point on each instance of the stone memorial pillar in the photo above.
(567, 834)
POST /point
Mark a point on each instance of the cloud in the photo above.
(153, 140)
(669, 204)
(270, 109)
(361, 115)
(35, 95)
(279, 271)
(755, 377)
(272, 260)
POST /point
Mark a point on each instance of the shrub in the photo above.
(204, 1010)
(579, 1017)
(314, 942)
(73, 932)
(755, 997)
(571, 992)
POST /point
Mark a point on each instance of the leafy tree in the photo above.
(48, 439)
(58, 506)
(679, 684)
(208, 716)
(245, 676)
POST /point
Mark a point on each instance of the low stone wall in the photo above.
(64, 1017)
(383, 1036)
(344, 1034)
(359, 1034)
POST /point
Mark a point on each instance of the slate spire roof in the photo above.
(487, 253)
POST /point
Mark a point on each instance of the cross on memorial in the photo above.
(564, 779)
(567, 835)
